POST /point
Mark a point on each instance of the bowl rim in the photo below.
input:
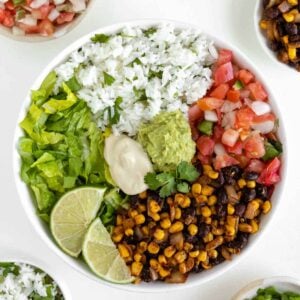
(261, 37)
(37, 263)
(27, 201)
(253, 286)
(62, 30)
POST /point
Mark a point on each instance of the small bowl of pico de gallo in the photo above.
(40, 20)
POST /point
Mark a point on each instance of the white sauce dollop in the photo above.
(128, 163)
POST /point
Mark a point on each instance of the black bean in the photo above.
(188, 215)
(199, 245)
(240, 241)
(217, 183)
(146, 274)
(203, 229)
(261, 191)
(275, 46)
(134, 200)
(192, 239)
(251, 175)
(291, 28)
(217, 261)
(271, 13)
(294, 38)
(248, 194)
(231, 173)
(199, 167)
(222, 196)
(153, 195)
(280, 28)
(221, 210)
(129, 239)
(265, 3)
(197, 268)
(240, 209)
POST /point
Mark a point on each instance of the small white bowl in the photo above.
(22, 258)
(282, 284)
(60, 30)
(43, 230)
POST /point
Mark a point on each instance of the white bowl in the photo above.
(43, 230)
(261, 36)
(23, 258)
(60, 30)
(282, 284)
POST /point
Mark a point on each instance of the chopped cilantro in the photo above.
(108, 79)
(100, 38)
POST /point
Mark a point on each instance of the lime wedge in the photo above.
(102, 256)
(72, 215)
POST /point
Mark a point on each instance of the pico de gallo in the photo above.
(41, 17)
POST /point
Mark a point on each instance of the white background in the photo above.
(231, 20)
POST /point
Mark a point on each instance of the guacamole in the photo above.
(167, 140)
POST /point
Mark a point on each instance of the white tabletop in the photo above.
(232, 20)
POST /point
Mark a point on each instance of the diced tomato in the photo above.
(264, 118)
(218, 132)
(205, 145)
(42, 12)
(257, 91)
(233, 95)
(244, 118)
(224, 160)
(205, 160)
(209, 103)
(223, 74)
(245, 76)
(245, 93)
(2, 15)
(255, 165)
(254, 146)
(46, 28)
(9, 20)
(270, 175)
(65, 17)
(236, 149)
(195, 113)
(230, 137)
(29, 29)
(28, 2)
(220, 91)
(9, 5)
(224, 57)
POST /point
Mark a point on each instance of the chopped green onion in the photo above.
(206, 127)
(108, 79)
(238, 85)
(100, 38)
(18, 2)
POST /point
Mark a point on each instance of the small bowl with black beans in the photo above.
(277, 25)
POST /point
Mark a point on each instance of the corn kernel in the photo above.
(137, 257)
(207, 190)
(155, 217)
(285, 39)
(242, 183)
(164, 215)
(289, 17)
(180, 256)
(206, 266)
(117, 237)
(164, 273)
(230, 209)
(208, 238)
(263, 24)
(217, 231)
(201, 199)
(176, 227)
(213, 174)
(212, 200)
(139, 219)
(154, 207)
(186, 202)
(293, 2)
(154, 264)
(212, 253)
(136, 268)
(142, 247)
(153, 248)
(142, 208)
(129, 232)
(205, 211)
(254, 226)
(208, 220)
(182, 268)
(177, 213)
(214, 243)
(251, 184)
(229, 230)
(206, 168)
(202, 256)
(194, 254)
(179, 198)
(187, 246)
(244, 227)
(162, 259)
(143, 195)
(132, 213)
(266, 207)
(169, 251)
(128, 223)
(145, 230)
(159, 234)
(292, 52)
(124, 252)
(193, 229)
(165, 223)
(119, 220)
(196, 189)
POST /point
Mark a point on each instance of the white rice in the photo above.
(182, 57)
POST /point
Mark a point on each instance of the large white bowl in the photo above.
(43, 230)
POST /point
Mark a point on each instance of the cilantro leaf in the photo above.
(168, 188)
(152, 182)
(183, 187)
(114, 114)
(100, 38)
(186, 171)
(149, 31)
(108, 79)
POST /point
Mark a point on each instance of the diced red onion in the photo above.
(260, 107)
(229, 106)
(230, 137)
(53, 15)
(2, 6)
(78, 5)
(210, 115)
(245, 93)
(228, 120)
(219, 149)
(264, 127)
(29, 20)
(38, 3)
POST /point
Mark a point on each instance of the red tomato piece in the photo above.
(244, 118)
(254, 146)
(205, 145)
(195, 113)
(224, 57)
(233, 95)
(270, 175)
(209, 103)
(205, 160)
(245, 76)
(65, 17)
(9, 5)
(29, 29)
(264, 118)
(236, 149)
(2, 15)
(255, 165)
(223, 74)
(195, 132)
(46, 28)
(220, 91)
(218, 132)
(230, 137)
(257, 91)
(42, 12)
(224, 160)
(9, 20)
